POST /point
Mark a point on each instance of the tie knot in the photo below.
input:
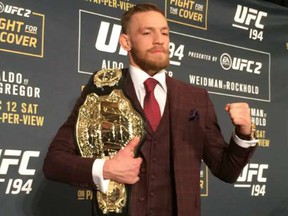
(150, 84)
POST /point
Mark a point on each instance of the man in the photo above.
(165, 178)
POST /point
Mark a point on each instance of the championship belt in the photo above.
(106, 123)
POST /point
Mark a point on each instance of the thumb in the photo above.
(132, 144)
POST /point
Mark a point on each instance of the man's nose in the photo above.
(158, 38)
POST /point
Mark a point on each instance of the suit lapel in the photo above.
(130, 91)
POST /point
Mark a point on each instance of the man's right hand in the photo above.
(123, 167)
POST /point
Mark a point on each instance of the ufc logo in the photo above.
(253, 171)
(239, 64)
(106, 42)
(245, 15)
(10, 157)
(246, 65)
(15, 10)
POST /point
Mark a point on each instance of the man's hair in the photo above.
(137, 9)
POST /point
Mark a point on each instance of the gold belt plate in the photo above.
(106, 124)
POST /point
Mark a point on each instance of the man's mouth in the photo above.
(157, 50)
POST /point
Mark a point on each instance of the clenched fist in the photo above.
(240, 116)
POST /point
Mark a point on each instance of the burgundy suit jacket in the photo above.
(195, 135)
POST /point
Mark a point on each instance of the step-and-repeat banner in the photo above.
(237, 50)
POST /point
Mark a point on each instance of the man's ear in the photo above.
(125, 42)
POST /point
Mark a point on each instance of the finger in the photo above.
(238, 110)
(139, 161)
(240, 105)
(227, 107)
(136, 179)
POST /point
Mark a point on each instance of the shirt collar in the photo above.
(139, 76)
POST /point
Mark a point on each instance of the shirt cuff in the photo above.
(97, 174)
(244, 143)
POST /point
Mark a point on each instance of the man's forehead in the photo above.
(153, 19)
(148, 15)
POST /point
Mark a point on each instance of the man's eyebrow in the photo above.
(152, 28)
(165, 28)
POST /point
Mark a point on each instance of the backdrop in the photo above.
(237, 50)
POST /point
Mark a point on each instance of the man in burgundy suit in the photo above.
(165, 178)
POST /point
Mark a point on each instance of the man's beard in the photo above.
(150, 64)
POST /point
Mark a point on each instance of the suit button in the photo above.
(143, 170)
(141, 198)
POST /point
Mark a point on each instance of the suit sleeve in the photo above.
(63, 162)
(225, 161)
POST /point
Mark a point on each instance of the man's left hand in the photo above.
(240, 116)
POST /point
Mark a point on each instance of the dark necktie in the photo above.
(151, 106)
